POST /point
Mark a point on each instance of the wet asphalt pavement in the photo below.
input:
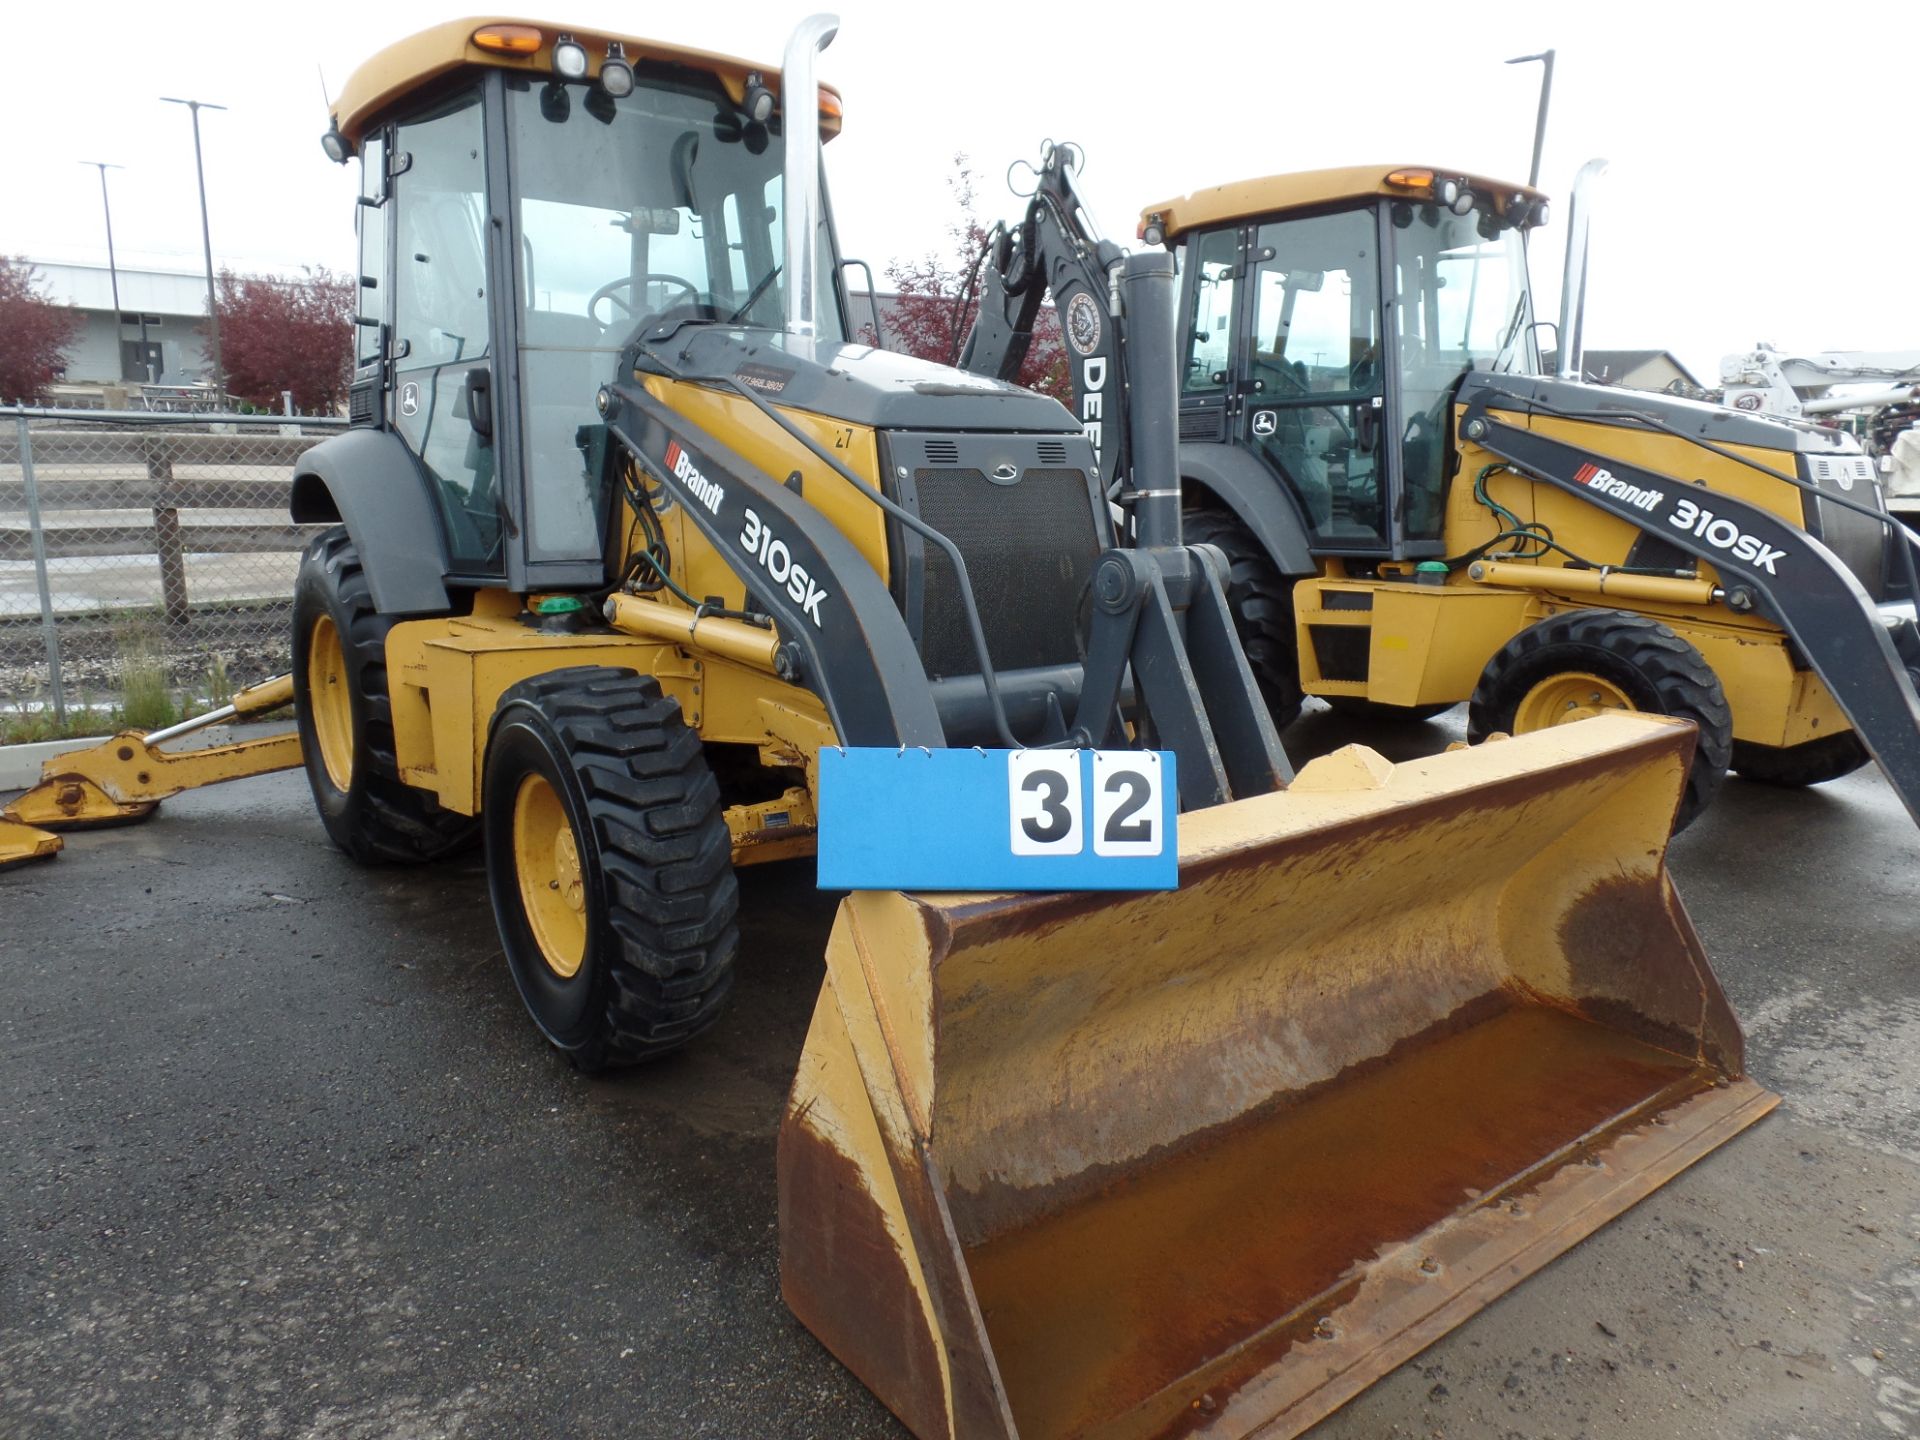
(280, 1156)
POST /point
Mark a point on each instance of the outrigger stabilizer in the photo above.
(123, 780)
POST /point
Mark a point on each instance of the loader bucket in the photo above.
(1211, 1161)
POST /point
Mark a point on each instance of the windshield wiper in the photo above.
(754, 298)
(1512, 334)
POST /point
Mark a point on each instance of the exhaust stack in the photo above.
(801, 185)
(1573, 286)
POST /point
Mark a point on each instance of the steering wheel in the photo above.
(610, 293)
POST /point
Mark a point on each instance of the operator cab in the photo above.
(1328, 318)
(522, 220)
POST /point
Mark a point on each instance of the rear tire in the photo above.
(1261, 600)
(1374, 710)
(609, 864)
(1814, 762)
(1586, 661)
(345, 717)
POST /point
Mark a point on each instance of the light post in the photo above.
(206, 238)
(1545, 57)
(113, 275)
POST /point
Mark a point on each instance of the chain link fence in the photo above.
(146, 563)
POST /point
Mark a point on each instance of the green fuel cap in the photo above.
(558, 605)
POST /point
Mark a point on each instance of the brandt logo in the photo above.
(1595, 478)
(704, 490)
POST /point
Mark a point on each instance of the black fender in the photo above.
(368, 481)
(1258, 498)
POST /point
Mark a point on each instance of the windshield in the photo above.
(658, 208)
(1462, 297)
(1461, 303)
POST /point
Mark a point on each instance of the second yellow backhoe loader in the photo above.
(1416, 516)
(627, 535)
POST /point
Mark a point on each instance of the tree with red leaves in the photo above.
(34, 333)
(937, 296)
(278, 334)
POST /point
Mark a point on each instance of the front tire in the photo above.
(345, 717)
(1586, 662)
(609, 864)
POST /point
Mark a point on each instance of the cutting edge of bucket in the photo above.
(1438, 1281)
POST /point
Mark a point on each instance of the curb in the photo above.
(20, 764)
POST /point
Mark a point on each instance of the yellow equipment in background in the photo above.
(1066, 1164)
(1416, 515)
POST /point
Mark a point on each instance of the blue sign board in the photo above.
(998, 820)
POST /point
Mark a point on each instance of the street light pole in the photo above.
(1545, 57)
(206, 236)
(113, 275)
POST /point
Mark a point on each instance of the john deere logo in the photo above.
(409, 399)
(1265, 422)
(1083, 323)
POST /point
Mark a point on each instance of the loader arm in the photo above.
(1054, 250)
(1869, 658)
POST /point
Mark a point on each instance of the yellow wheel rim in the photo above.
(328, 700)
(546, 860)
(1561, 699)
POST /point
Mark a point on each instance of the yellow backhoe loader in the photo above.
(627, 534)
(1416, 515)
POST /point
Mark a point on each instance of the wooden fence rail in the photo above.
(73, 476)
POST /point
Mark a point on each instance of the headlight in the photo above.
(758, 101)
(616, 75)
(336, 146)
(569, 58)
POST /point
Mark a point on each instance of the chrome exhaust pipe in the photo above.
(1573, 285)
(801, 199)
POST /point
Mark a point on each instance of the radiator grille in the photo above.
(1030, 548)
(1857, 540)
(363, 403)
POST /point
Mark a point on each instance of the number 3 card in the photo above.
(997, 820)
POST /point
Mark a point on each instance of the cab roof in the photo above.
(1304, 189)
(407, 65)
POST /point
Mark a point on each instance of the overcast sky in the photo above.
(1760, 188)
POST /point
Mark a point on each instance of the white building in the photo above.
(157, 336)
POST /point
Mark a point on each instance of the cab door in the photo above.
(1210, 268)
(442, 344)
(1311, 377)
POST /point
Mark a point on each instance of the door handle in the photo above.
(480, 402)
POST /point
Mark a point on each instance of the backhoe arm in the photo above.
(1055, 250)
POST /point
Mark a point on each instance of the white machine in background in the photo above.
(1808, 386)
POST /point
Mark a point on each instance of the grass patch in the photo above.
(30, 727)
(146, 701)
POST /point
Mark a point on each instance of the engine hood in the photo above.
(863, 385)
